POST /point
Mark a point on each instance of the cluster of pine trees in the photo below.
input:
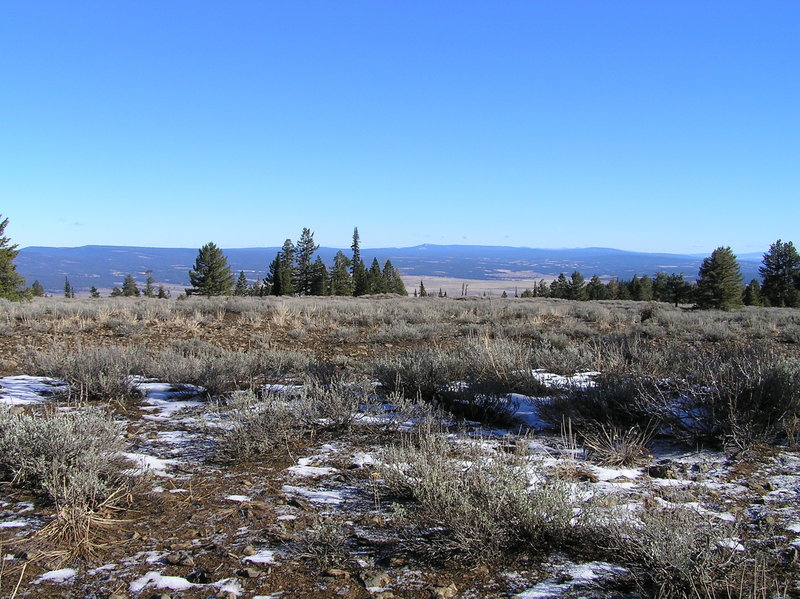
(296, 270)
(719, 283)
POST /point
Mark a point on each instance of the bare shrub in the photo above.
(219, 370)
(254, 425)
(72, 458)
(91, 372)
(482, 509)
(733, 395)
(324, 543)
(681, 553)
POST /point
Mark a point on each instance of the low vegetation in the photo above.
(406, 414)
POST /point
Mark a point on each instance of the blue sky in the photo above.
(651, 126)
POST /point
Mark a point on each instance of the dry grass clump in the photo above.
(614, 446)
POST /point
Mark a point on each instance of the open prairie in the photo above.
(397, 447)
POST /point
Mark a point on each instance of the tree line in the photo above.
(719, 283)
(296, 270)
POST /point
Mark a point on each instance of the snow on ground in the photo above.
(26, 390)
(579, 575)
(57, 576)
(333, 497)
(265, 556)
(150, 464)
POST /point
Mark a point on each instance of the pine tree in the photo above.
(356, 247)
(595, 289)
(37, 290)
(781, 275)
(149, 287)
(10, 280)
(116, 292)
(392, 279)
(375, 282)
(752, 294)
(241, 285)
(341, 279)
(319, 278)
(129, 287)
(576, 287)
(677, 290)
(558, 287)
(719, 282)
(93, 292)
(163, 293)
(211, 274)
(304, 270)
(68, 291)
(279, 276)
(422, 292)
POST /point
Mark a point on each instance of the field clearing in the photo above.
(398, 447)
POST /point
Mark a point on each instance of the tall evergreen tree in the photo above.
(162, 292)
(94, 293)
(68, 290)
(595, 289)
(211, 274)
(11, 281)
(558, 287)
(129, 287)
(149, 285)
(752, 294)
(280, 275)
(356, 247)
(781, 275)
(375, 283)
(392, 280)
(341, 279)
(241, 285)
(304, 270)
(37, 290)
(576, 287)
(319, 278)
(719, 282)
(677, 290)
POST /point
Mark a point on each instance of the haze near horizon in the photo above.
(638, 126)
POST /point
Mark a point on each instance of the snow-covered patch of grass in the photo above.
(265, 556)
(148, 464)
(332, 497)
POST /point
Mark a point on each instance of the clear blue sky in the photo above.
(652, 126)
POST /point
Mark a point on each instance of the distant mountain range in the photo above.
(106, 266)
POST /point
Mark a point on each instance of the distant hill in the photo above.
(106, 266)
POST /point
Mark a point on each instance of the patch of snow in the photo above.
(360, 460)
(311, 471)
(229, 585)
(241, 498)
(313, 495)
(606, 474)
(579, 574)
(265, 556)
(158, 581)
(794, 527)
(26, 390)
(150, 464)
(57, 576)
(15, 523)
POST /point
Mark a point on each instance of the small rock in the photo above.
(173, 559)
(180, 546)
(337, 573)
(444, 592)
(249, 573)
(117, 596)
(385, 595)
(376, 579)
(249, 550)
(187, 561)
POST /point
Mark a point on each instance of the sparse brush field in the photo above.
(397, 447)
